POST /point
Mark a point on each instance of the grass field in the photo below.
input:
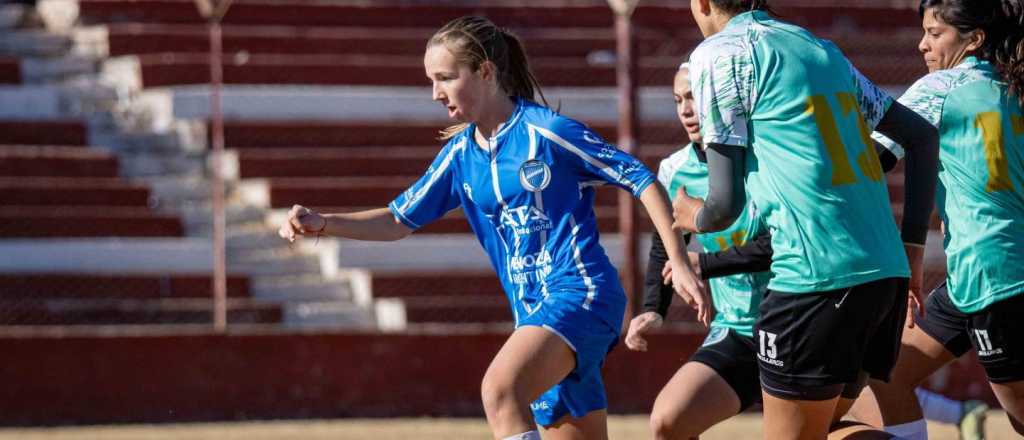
(747, 426)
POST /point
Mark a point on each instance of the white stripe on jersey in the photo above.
(591, 288)
(433, 178)
(538, 199)
(586, 157)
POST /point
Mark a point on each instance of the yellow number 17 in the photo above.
(991, 125)
(842, 170)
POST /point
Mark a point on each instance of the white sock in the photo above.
(938, 407)
(916, 430)
(528, 435)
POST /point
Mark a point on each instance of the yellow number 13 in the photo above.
(842, 170)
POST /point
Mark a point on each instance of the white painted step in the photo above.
(297, 288)
(371, 103)
(271, 264)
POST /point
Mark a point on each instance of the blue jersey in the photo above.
(528, 197)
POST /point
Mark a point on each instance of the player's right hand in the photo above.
(641, 324)
(915, 298)
(301, 221)
(692, 291)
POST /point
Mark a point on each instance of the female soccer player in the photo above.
(973, 94)
(720, 380)
(786, 115)
(524, 176)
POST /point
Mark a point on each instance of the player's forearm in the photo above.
(921, 142)
(373, 225)
(725, 199)
(657, 296)
(656, 203)
(752, 256)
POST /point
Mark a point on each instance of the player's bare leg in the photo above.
(865, 408)
(920, 356)
(695, 399)
(531, 361)
(1011, 397)
(797, 419)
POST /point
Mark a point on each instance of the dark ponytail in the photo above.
(1009, 53)
(1003, 24)
(476, 40)
(734, 7)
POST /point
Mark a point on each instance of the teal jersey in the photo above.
(981, 179)
(805, 116)
(735, 297)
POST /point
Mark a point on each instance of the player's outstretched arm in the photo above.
(373, 225)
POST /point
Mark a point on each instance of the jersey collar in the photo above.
(516, 114)
(972, 62)
(746, 17)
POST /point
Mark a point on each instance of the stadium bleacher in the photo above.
(346, 164)
(59, 181)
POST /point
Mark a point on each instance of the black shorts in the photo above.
(996, 332)
(731, 355)
(813, 346)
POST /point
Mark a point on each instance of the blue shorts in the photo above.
(591, 338)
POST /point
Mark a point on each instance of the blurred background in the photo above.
(109, 307)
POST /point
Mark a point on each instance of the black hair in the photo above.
(734, 7)
(1003, 24)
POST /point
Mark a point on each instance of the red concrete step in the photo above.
(10, 70)
(86, 221)
(136, 39)
(327, 14)
(318, 134)
(328, 162)
(169, 69)
(64, 132)
(105, 286)
(389, 70)
(457, 309)
(56, 191)
(536, 14)
(449, 283)
(133, 312)
(56, 161)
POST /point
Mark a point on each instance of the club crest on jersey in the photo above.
(534, 175)
(716, 335)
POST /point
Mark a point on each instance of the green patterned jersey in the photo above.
(805, 116)
(981, 179)
(735, 297)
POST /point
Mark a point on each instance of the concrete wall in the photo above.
(197, 376)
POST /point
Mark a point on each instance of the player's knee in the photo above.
(496, 394)
(663, 426)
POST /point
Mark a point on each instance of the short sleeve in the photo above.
(670, 166)
(926, 98)
(592, 158)
(873, 101)
(434, 194)
(722, 79)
